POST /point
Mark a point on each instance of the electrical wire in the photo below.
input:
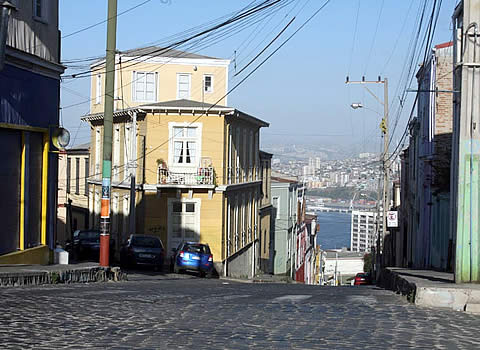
(374, 37)
(238, 84)
(159, 51)
(174, 56)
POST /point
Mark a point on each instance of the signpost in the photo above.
(392, 218)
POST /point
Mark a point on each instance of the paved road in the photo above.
(171, 312)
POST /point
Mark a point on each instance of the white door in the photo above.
(183, 222)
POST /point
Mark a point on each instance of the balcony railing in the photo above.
(202, 176)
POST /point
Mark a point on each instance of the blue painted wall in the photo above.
(27, 98)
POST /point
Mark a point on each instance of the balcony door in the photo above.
(183, 221)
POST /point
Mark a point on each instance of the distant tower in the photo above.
(318, 163)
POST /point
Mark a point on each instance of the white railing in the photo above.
(203, 176)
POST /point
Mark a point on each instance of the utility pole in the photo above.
(107, 132)
(466, 142)
(385, 160)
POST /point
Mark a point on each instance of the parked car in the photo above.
(194, 257)
(143, 250)
(362, 278)
(86, 245)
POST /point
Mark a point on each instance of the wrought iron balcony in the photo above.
(202, 176)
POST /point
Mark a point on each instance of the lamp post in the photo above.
(385, 160)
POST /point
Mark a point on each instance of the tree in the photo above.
(367, 262)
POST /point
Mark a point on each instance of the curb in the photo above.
(75, 275)
(444, 296)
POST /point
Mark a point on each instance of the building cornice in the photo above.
(237, 186)
(33, 63)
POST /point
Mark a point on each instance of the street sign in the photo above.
(392, 219)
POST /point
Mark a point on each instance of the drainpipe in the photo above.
(5, 10)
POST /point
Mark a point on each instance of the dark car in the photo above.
(86, 245)
(362, 278)
(194, 257)
(143, 250)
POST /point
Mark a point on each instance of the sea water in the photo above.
(334, 230)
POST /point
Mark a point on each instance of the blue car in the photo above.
(194, 257)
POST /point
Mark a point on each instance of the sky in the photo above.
(300, 90)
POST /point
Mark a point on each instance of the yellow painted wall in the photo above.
(265, 235)
(157, 142)
(35, 256)
(166, 83)
(155, 212)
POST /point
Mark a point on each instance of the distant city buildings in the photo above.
(363, 230)
(360, 172)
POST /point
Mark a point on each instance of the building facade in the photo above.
(266, 208)
(363, 230)
(73, 174)
(196, 174)
(29, 110)
(424, 239)
(284, 224)
(154, 74)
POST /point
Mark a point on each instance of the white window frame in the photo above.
(189, 86)
(125, 213)
(277, 214)
(197, 139)
(134, 84)
(43, 8)
(115, 210)
(127, 151)
(98, 90)
(116, 152)
(98, 149)
(210, 91)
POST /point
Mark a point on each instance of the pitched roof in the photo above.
(283, 179)
(82, 146)
(162, 52)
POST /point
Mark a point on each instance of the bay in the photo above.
(334, 230)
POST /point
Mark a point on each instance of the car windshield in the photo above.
(89, 235)
(197, 248)
(146, 242)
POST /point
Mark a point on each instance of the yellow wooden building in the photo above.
(197, 173)
(195, 162)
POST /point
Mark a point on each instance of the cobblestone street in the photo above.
(170, 312)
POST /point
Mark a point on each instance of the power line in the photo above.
(267, 4)
(374, 37)
(106, 20)
(354, 38)
(171, 58)
(236, 86)
(266, 47)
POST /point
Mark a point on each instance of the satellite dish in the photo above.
(60, 138)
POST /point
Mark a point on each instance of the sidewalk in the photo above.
(29, 275)
(432, 289)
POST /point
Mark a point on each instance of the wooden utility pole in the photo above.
(107, 132)
(385, 160)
